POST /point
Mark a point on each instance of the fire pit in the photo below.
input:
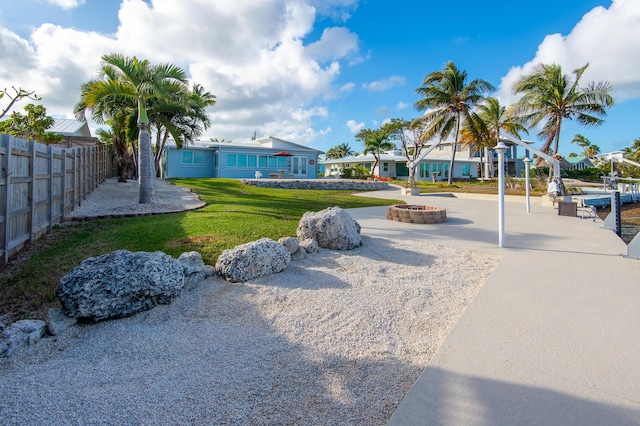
(409, 213)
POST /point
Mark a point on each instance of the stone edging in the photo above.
(327, 184)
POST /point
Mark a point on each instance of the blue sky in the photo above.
(317, 71)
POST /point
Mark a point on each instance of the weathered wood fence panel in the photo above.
(39, 184)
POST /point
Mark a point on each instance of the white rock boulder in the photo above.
(253, 260)
(332, 228)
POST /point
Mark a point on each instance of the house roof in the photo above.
(267, 143)
(70, 127)
(576, 160)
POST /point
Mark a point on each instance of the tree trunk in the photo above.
(455, 148)
(144, 165)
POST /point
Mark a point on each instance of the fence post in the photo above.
(63, 205)
(7, 195)
(32, 190)
(50, 201)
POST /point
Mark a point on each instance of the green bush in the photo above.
(592, 174)
(358, 172)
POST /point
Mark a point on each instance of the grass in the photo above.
(235, 214)
(513, 186)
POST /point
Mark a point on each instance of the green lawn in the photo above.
(235, 214)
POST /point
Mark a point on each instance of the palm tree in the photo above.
(550, 96)
(581, 141)
(448, 100)
(591, 151)
(340, 151)
(496, 120)
(375, 141)
(129, 82)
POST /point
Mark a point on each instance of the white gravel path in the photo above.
(337, 338)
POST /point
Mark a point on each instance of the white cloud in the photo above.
(66, 4)
(354, 126)
(267, 78)
(607, 38)
(402, 105)
(384, 85)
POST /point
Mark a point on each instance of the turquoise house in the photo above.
(264, 158)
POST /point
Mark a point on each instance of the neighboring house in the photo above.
(576, 163)
(76, 133)
(268, 157)
(393, 164)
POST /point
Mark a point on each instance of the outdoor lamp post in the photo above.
(527, 164)
(501, 148)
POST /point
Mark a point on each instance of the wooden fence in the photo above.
(39, 184)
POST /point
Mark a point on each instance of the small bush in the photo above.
(358, 172)
(592, 174)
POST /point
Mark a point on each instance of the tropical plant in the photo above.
(591, 151)
(339, 151)
(449, 101)
(409, 133)
(549, 97)
(130, 84)
(375, 142)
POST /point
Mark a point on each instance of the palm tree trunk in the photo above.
(144, 165)
(455, 148)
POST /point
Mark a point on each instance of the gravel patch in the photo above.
(112, 199)
(337, 338)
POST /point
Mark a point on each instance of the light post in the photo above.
(501, 148)
(527, 164)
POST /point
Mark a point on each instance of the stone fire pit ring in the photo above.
(411, 213)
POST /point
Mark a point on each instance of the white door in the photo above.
(299, 166)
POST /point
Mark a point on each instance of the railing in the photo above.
(39, 184)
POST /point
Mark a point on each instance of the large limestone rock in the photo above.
(120, 284)
(253, 260)
(20, 334)
(332, 228)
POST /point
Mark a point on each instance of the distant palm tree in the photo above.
(497, 120)
(581, 141)
(591, 151)
(550, 96)
(448, 100)
(340, 151)
(375, 141)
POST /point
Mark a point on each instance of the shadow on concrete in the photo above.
(493, 402)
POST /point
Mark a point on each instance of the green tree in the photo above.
(132, 84)
(375, 141)
(448, 100)
(549, 97)
(340, 151)
(409, 134)
(581, 141)
(31, 126)
(591, 151)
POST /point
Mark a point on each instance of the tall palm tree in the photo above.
(448, 100)
(549, 97)
(375, 141)
(591, 151)
(128, 82)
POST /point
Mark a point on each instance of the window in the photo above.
(466, 169)
(242, 160)
(194, 158)
(273, 162)
(232, 160)
(251, 161)
(385, 167)
(440, 148)
(262, 161)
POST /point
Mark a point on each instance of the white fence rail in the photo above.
(39, 184)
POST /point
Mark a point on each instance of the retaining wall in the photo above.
(335, 184)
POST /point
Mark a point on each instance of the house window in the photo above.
(273, 162)
(232, 160)
(385, 167)
(251, 161)
(242, 160)
(440, 148)
(466, 169)
(193, 158)
(262, 161)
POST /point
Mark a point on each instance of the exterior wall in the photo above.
(177, 165)
(249, 161)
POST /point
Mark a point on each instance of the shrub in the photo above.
(358, 172)
(590, 173)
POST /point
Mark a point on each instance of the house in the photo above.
(76, 133)
(576, 163)
(394, 164)
(266, 157)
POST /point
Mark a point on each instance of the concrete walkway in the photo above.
(553, 337)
